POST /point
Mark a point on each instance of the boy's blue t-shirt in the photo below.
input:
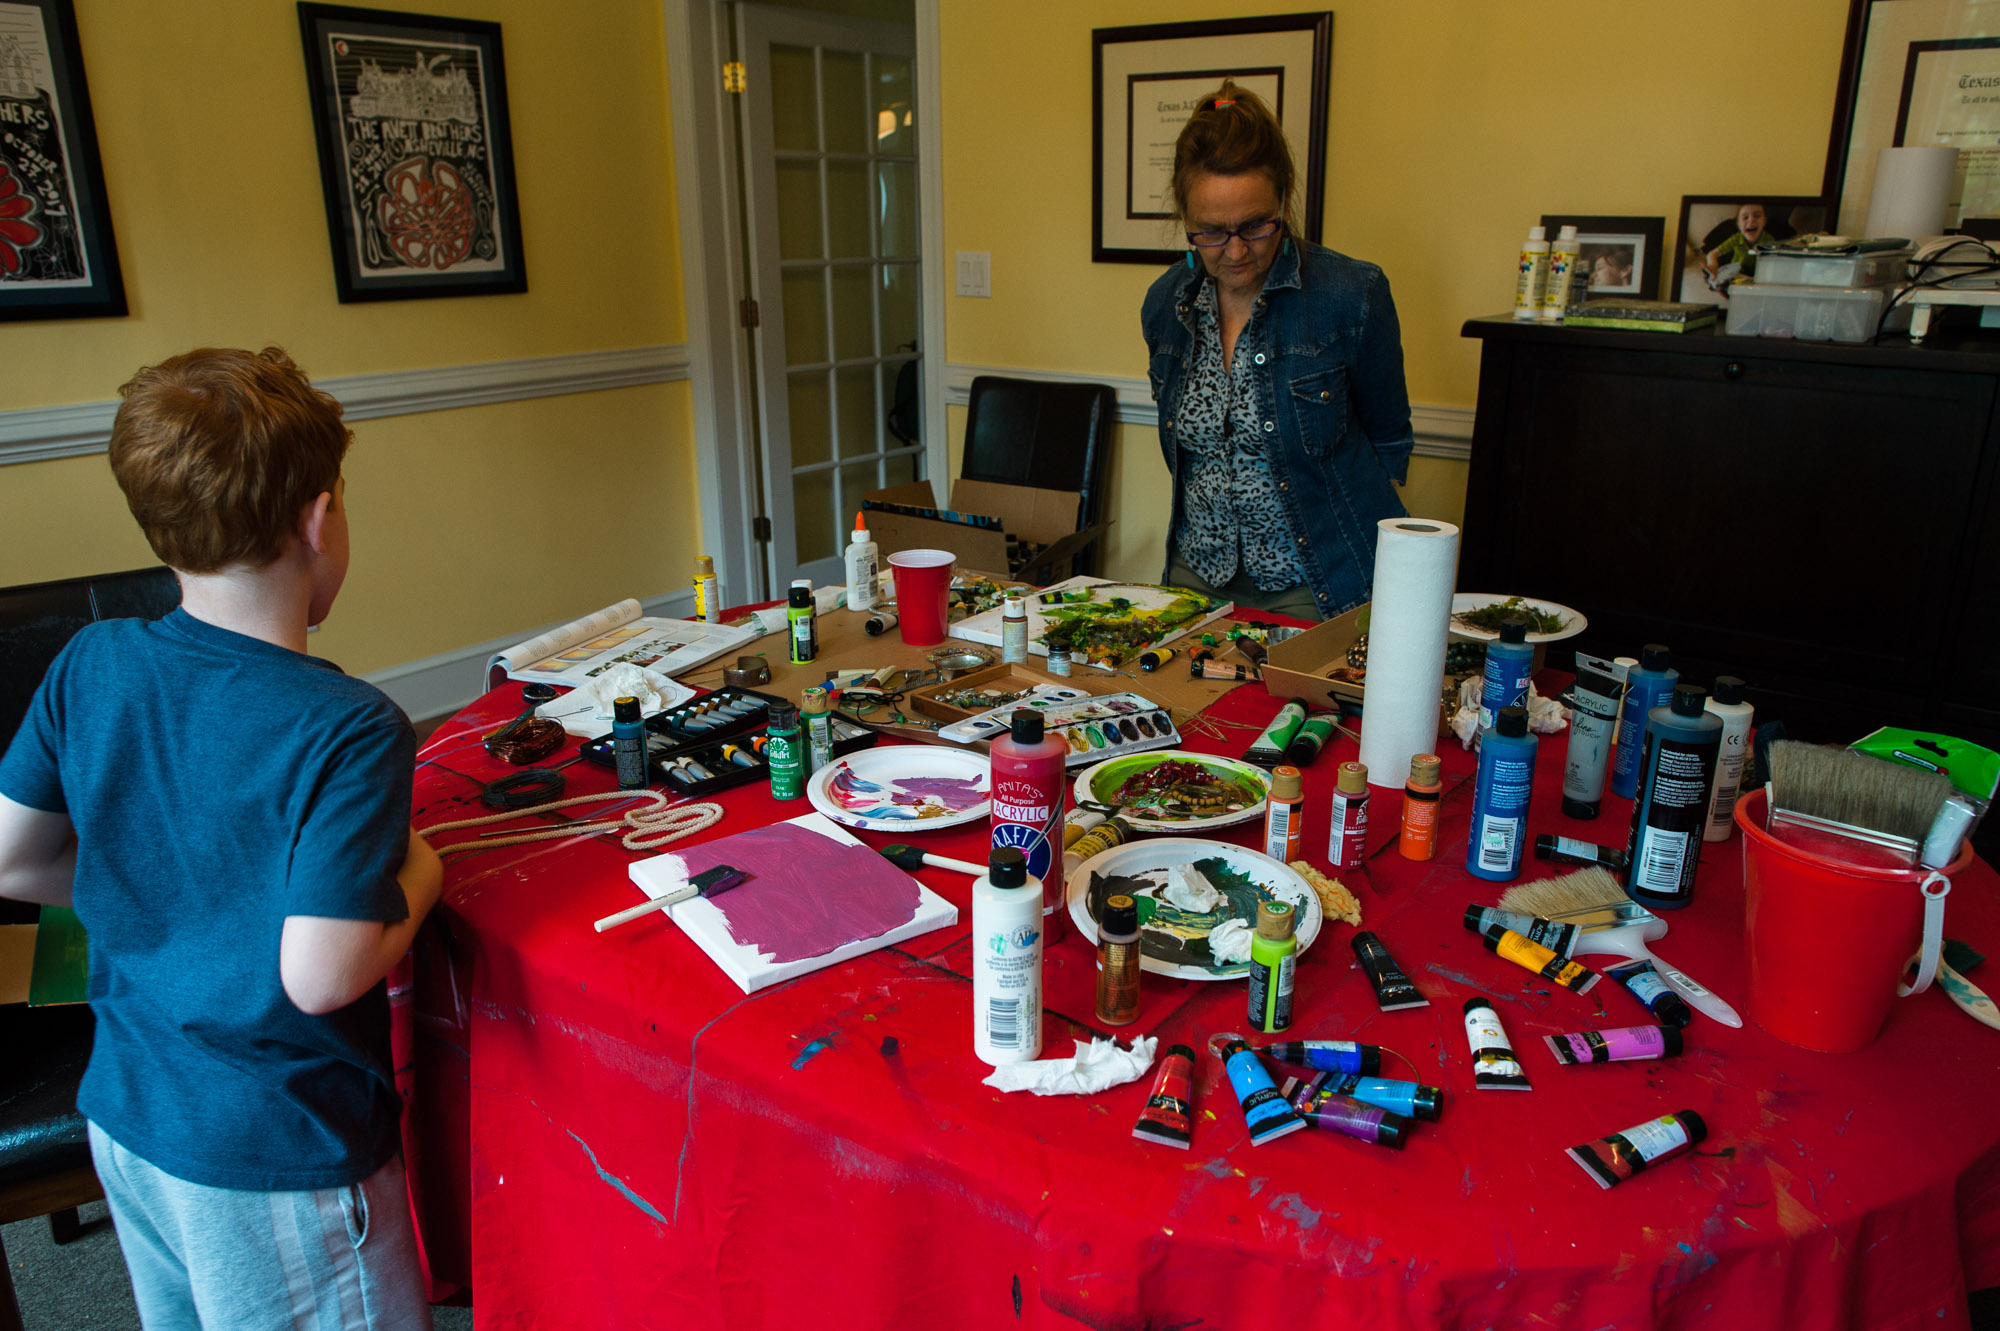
(218, 784)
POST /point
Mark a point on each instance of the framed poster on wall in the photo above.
(1147, 80)
(415, 154)
(57, 256)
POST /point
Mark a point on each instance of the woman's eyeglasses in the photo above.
(1249, 231)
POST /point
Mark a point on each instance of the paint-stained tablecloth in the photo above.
(607, 1133)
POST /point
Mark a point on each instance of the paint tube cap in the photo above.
(1026, 726)
(1689, 700)
(1472, 914)
(1015, 607)
(1427, 1103)
(1670, 1037)
(1121, 917)
(1354, 777)
(1474, 1004)
(624, 709)
(1697, 1127)
(1513, 722)
(800, 597)
(1728, 690)
(1275, 920)
(1513, 628)
(1006, 866)
(1285, 784)
(1424, 768)
(1654, 656)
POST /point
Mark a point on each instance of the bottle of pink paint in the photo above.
(1028, 785)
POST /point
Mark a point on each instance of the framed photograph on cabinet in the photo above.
(1718, 232)
(415, 154)
(57, 256)
(1145, 82)
(1621, 254)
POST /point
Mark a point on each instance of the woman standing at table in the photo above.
(1277, 365)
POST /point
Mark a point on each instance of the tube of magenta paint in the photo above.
(1394, 990)
(1611, 1160)
(1168, 1117)
(1532, 956)
(1494, 1067)
(1408, 1098)
(1369, 1123)
(1264, 1109)
(1326, 1055)
(1557, 938)
(1621, 1044)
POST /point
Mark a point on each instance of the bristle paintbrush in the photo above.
(1850, 806)
(1611, 922)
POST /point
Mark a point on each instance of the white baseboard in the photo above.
(440, 685)
(1441, 431)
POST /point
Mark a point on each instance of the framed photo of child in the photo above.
(1621, 254)
(1718, 238)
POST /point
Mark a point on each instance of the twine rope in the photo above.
(652, 826)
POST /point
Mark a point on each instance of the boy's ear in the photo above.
(312, 521)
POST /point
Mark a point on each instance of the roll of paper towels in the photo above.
(1911, 192)
(1416, 567)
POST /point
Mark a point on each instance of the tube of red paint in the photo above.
(1168, 1117)
(1611, 1160)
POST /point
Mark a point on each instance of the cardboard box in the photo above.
(1044, 517)
(1298, 666)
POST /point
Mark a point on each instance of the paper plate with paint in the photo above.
(910, 788)
(1475, 617)
(1173, 790)
(1197, 902)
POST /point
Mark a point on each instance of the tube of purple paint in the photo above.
(1344, 1113)
(1621, 1044)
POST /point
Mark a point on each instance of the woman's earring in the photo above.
(1286, 248)
(1190, 259)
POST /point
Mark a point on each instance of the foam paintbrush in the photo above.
(707, 883)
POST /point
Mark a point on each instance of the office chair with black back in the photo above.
(44, 1147)
(1053, 436)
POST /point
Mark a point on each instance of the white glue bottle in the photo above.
(1727, 703)
(1564, 255)
(1532, 277)
(1006, 960)
(863, 558)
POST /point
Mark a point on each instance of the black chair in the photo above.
(44, 1147)
(1053, 436)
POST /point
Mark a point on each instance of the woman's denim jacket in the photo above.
(1340, 414)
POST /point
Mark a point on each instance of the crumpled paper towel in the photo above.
(1545, 715)
(1098, 1065)
(586, 710)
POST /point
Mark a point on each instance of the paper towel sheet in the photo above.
(1416, 567)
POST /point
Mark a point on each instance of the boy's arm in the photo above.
(37, 854)
(327, 963)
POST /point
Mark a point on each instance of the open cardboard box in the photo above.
(1296, 667)
(1045, 517)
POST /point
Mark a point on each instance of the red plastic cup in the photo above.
(923, 587)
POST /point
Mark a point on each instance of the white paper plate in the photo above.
(1462, 602)
(1124, 767)
(1153, 859)
(883, 789)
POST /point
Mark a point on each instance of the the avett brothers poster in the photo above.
(41, 244)
(417, 147)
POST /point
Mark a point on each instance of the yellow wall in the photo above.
(466, 523)
(1453, 126)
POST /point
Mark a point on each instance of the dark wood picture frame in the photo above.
(1199, 60)
(1645, 235)
(58, 258)
(1789, 215)
(416, 153)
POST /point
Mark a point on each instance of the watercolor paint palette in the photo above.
(815, 897)
(1095, 728)
(909, 788)
(1176, 791)
(1187, 891)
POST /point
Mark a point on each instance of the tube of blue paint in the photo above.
(1326, 1055)
(1408, 1098)
(1264, 1109)
(1648, 686)
(1640, 980)
(1369, 1123)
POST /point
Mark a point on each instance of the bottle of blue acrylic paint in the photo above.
(1500, 799)
(1510, 663)
(1648, 685)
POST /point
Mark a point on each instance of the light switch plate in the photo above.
(975, 273)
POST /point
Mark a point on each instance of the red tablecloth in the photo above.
(641, 1145)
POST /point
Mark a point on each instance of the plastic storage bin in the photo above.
(1811, 314)
(1882, 268)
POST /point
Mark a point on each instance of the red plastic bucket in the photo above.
(1827, 940)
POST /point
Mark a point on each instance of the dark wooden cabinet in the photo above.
(1818, 520)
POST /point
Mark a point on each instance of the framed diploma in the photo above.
(1147, 80)
(1918, 73)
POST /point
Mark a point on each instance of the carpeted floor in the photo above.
(81, 1286)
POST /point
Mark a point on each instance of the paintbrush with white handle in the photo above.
(707, 883)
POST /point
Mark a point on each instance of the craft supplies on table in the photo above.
(1176, 790)
(1197, 902)
(694, 750)
(1094, 728)
(1111, 623)
(906, 788)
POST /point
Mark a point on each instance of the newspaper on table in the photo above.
(585, 648)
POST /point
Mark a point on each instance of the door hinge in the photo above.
(732, 76)
(746, 313)
(760, 527)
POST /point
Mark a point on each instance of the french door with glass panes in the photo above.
(830, 185)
